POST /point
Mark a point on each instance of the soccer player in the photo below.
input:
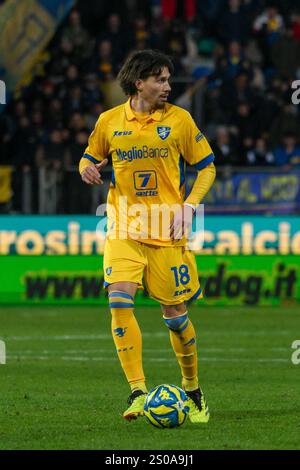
(150, 141)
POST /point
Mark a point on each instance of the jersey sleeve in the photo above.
(98, 145)
(194, 147)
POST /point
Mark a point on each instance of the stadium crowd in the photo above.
(242, 54)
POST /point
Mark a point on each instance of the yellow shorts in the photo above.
(170, 273)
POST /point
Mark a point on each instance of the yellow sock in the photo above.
(183, 340)
(127, 337)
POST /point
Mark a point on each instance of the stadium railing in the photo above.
(236, 190)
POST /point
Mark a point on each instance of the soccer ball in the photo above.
(166, 406)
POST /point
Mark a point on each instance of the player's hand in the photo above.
(92, 173)
(182, 222)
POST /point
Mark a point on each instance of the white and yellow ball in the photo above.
(166, 406)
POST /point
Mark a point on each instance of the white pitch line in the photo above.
(205, 333)
(73, 337)
(146, 350)
(161, 359)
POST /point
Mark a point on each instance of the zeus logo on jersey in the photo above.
(163, 132)
(119, 133)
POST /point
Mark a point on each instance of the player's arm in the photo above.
(94, 158)
(202, 184)
(91, 172)
(198, 153)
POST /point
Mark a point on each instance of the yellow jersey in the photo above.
(149, 156)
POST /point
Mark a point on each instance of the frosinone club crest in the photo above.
(163, 132)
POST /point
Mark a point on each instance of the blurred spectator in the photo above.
(75, 34)
(47, 91)
(117, 36)
(91, 91)
(236, 91)
(235, 59)
(267, 27)
(141, 34)
(259, 155)
(233, 25)
(231, 63)
(269, 23)
(288, 153)
(285, 52)
(209, 10)
(224, 148)
(175, 39)
(74, 100)
(104, 63)
(51, 155)
(286, 121)
(76, 124)
(19, 109)
(62, 58)
(244, 121)
(76, 149)
(93, 114)
(55, 114)
(176, 46)
(72, 78)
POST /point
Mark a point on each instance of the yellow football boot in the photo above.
(136, 403)
(198, 408)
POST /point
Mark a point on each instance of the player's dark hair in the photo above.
(139, 66)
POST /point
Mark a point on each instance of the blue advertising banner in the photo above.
(277, 192)
(84, 235)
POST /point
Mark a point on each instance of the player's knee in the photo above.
(120, 300)
(178, 323)
(127, 287)
(173, 310)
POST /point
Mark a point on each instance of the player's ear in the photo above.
(139, 84)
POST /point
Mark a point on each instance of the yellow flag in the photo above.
(26, 27)
(5, 184)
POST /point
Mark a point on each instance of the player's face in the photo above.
(155, 89)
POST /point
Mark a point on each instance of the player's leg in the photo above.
(123, 262)
(183, 340)
(171, 278)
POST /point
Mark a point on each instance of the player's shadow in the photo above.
(250, 414)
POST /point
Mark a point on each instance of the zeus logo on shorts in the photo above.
(120, 332)
(180, 292)
(108, 271)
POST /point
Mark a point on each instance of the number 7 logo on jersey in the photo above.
(145, 179)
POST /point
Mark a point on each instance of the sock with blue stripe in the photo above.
(128, 338)
(183, 340)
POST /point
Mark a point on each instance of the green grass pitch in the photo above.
(62, 386)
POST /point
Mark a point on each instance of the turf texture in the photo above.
(62, 386)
